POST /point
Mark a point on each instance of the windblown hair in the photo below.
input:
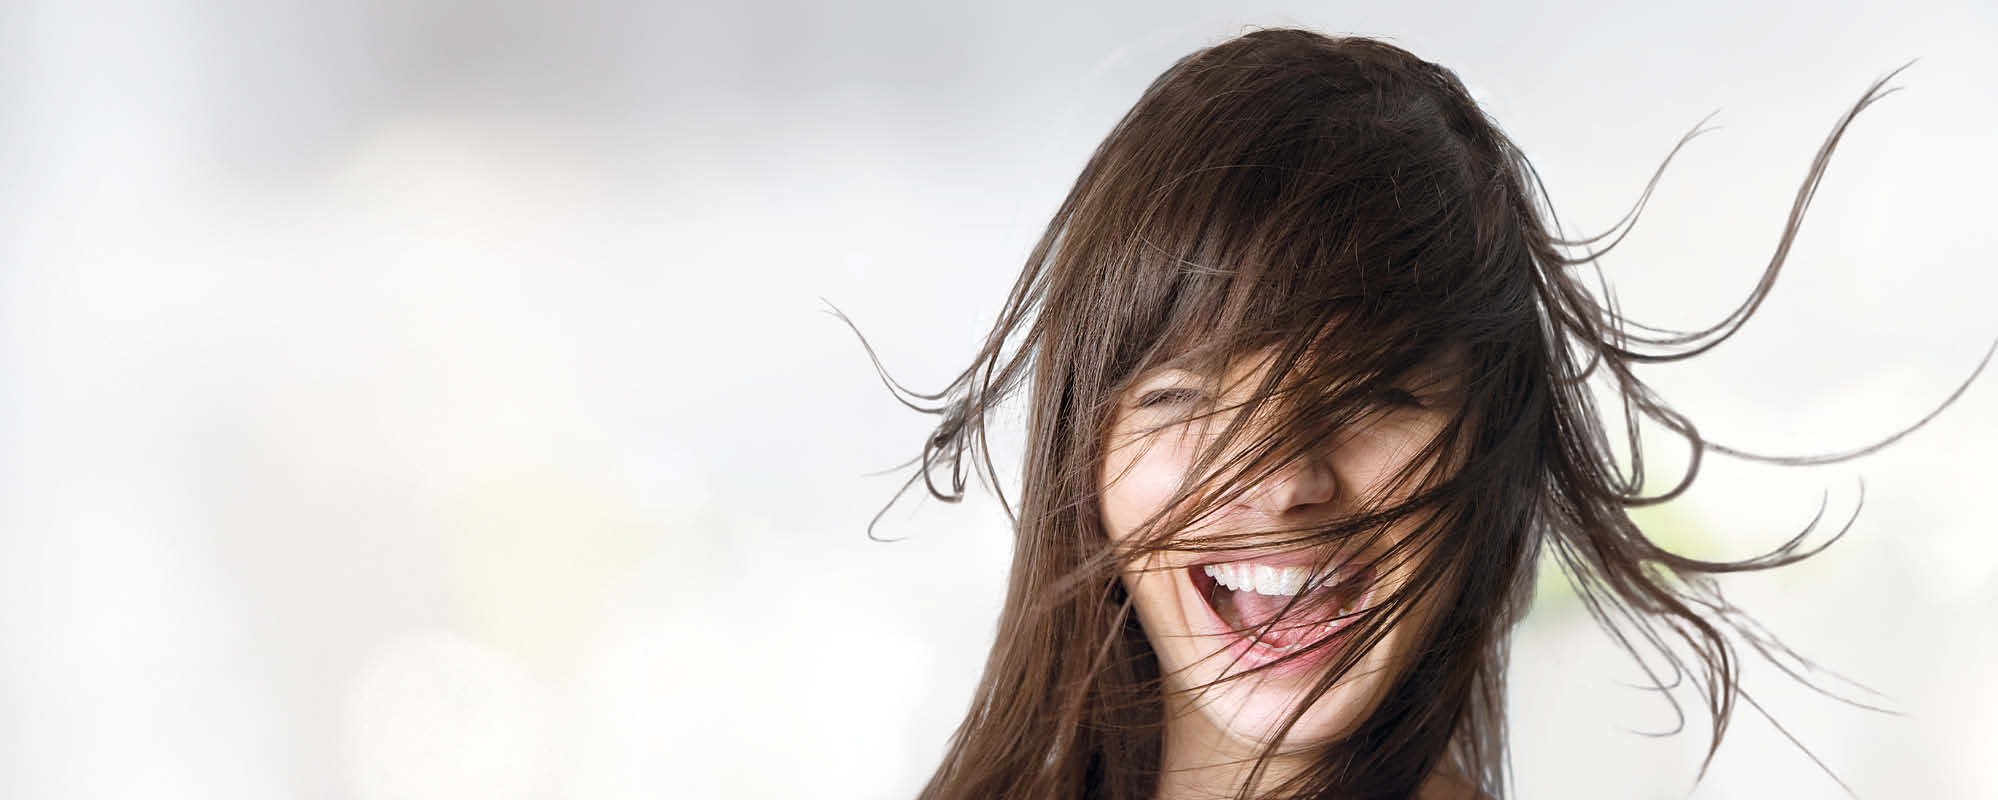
(1348, 208)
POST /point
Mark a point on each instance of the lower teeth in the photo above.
(1222, 599)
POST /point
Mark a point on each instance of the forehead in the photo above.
(1441, 366)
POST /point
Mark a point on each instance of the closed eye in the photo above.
(1169, 397)
(1400, 398)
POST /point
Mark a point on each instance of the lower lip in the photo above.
(1247, 652)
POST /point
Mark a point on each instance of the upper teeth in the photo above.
(1264, 579)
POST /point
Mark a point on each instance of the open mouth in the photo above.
(1275, 608)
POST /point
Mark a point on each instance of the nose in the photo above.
(1301, 483)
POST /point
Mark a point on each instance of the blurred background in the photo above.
(434, 399)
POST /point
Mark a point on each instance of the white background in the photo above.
(434, 400)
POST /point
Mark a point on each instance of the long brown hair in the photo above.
(1348, 208)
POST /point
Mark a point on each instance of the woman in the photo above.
(1305, 372)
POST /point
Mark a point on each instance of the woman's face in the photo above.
(1189, 601)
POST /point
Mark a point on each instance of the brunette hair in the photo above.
(1347, 208)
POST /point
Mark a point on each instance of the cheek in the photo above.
(1371, 459)
(1138, 478)
(1367, 462)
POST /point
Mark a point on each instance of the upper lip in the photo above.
(1293, 557)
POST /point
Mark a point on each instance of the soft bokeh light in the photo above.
(433, 399)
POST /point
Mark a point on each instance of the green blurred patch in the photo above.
(1669, 525)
